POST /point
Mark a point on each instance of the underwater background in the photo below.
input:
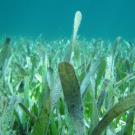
(104, 19)
(67, 67)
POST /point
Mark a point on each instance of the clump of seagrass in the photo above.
(72, 95)
(77, 22)
(70, 85)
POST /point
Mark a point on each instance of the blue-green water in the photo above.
(54, 18)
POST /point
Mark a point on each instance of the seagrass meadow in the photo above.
(67, 87)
